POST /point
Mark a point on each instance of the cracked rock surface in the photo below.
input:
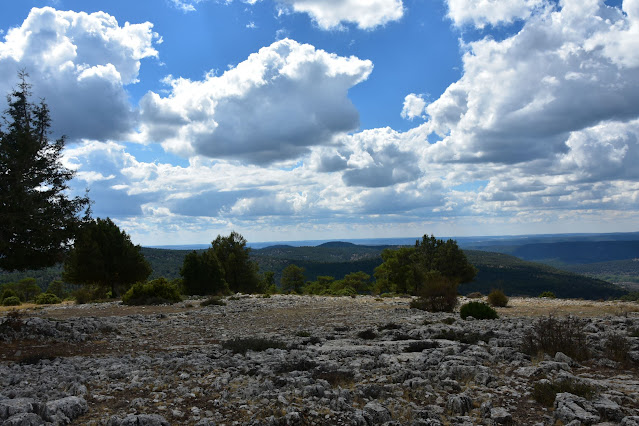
(304, 360)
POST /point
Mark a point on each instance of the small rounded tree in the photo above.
(104, 255)
(292, 279)
(498, 298)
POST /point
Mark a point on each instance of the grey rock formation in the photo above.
(376, 414)
(569, 407)
(459, 404)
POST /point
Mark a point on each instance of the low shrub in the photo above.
(474, 295)
(617, 348)
(420, 346)
(155, 292)
(438, 295)
(498, 298)
(255, 344)
(448, 321)
(545, 392)
(548, 294)
(214, 300)
(389, 326)
(335, 377)
(299, 365)
(89, 294)
(367, 334)
(551, 335)
(346, 291)
(470, 338)
(47, 299)
(477, 310)
(6, 293)
(11, 301)
(303, 333)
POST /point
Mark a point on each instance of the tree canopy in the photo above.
(410, 269)
(38, 219)
(202, 274)
(292, 279)
(104, 255)
(240, 272)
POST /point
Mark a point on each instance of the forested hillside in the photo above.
(496, 270)
(522, 278)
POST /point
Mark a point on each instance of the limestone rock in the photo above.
(63, 411)
(376, 414)
(459, 404)
(25, 419)
(569, 407)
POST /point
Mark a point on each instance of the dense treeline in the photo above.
(514, 276)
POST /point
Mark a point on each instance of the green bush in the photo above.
(57, 287)
(544, 392)
(346, 291)
(498, 298)
(439, 294)
(255, 344)
(367, 334)
(89, 293)
(11, 301)
(550, 335)
(47, 299)
(477, 310)
(470, 338)
(6, 293)
(213, 301)
(548, 294)
(420, 346)
(155, 292)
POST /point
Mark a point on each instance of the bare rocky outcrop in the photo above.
(314, 366)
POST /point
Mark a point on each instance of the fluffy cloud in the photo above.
(366, 14)
(494, 12)
(80, 64)
(379, 158)
(190, 5)
(520, 99)
(271, 107)
(414, 106)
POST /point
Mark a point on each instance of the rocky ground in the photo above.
(314, 360)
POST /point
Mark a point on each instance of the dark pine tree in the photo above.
(104, 255)
(38, 219)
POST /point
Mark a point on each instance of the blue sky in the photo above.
(307, 119)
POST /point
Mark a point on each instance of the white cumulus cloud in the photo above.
(271, 107)
(520, 99)
(493, 12)
(80, 64)
(414, 106)
(366, 14)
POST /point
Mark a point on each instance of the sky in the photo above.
(339, 119)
